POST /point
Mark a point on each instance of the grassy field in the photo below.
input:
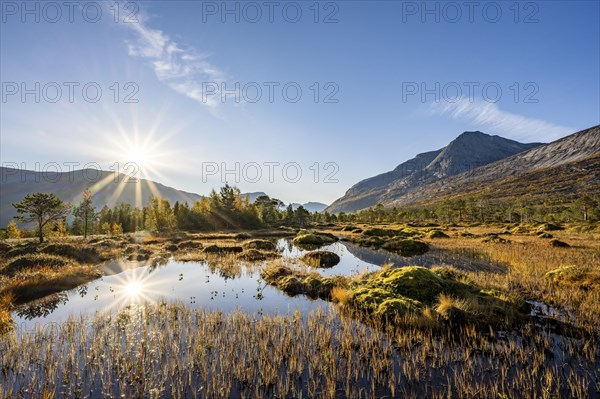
(390, 334)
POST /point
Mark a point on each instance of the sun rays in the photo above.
(136, 152)
(134, 287)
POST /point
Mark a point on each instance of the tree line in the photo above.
(226, 209)
(482, 210)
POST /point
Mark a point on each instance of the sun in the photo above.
(139, 156)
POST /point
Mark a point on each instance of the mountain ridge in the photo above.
(581, 147)
(468, 151)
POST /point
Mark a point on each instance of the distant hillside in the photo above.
(467, 152)
(564, 168)
(109, 188)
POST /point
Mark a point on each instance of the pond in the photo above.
(198, 284)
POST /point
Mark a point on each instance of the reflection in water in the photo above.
(470, 261)
(133, 289)
(225, 285)
(135, 286)
(42, 307)
(197, 284)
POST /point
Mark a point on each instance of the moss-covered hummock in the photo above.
(254, 255)
(259, 244)
(308, 239)
(34, 261)
(396, 291)
(437, 234)
(189, 244)
(217, 249)
(321, 259)
(574, 275)
(295, 282)
(549, 227)
(80, 253)
(520, 230)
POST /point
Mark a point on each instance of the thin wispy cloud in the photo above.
(182, 69)
(490, 118)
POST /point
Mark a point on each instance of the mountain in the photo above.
(310, 206)
(467, 152)
(561, 169)
(110, 188)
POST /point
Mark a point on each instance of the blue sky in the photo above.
(369, 63)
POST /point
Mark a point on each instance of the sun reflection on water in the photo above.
(135, 287)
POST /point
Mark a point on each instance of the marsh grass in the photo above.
(528, 261)
(172, 351)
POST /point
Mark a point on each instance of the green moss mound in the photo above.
(410, 232)
(259, 244)
(398, 291)
(583, 277)
(294, 282)
(406, 247)
(313, 239)
(437, 234)
(395, 307)
(415, 282)
(520, 230)
(321, 259)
